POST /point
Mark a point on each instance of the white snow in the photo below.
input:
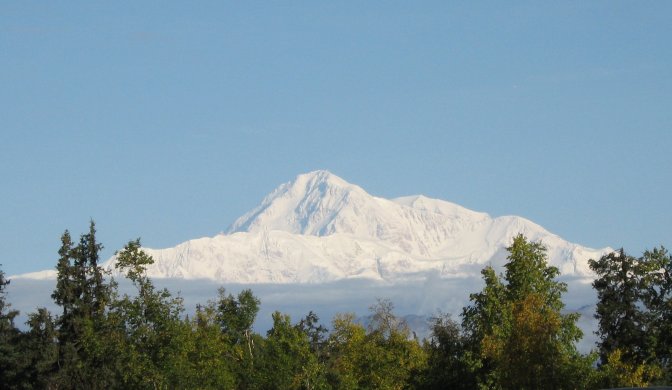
(321, 228)
(39, 275)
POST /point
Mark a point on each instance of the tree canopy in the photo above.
(514, 334)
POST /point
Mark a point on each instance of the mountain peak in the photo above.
(318, 175)
(319, 227)
(321, 204)
(306, 205)
(321, 179)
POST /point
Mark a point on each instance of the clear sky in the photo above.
(168, 120)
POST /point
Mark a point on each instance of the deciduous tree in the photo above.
(519, 338)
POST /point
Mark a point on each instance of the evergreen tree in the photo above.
(39, 352)
(622, 321)
(83, 294)
(6, 314)
(634, 313)
(658, 301)
(9, 353)
(447, 364)
(317, 334)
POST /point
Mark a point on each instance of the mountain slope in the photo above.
(320, 228)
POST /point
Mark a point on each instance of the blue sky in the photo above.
(168, 120)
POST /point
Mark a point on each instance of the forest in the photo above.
(514, 334)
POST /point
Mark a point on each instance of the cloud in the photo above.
(425, 297)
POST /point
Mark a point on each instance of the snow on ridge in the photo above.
(320, 228)
(305, 205)
(47, 274)
(438, 206)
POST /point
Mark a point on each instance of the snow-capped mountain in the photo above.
(321, 228)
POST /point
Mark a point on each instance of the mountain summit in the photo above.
(320, 228)
(316, 203)
(321, 204)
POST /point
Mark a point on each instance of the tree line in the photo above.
(514, 334)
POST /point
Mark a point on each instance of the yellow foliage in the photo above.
(621, 373)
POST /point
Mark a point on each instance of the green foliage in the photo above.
(528, 272)
(513, 335)
(516, 335)
(287, 361)
(154, 343)
(209, 353)
(346, 350)
(447, 357)
(39, 352)
(616, 372)
(385, 357)
(658, 301)
(235, 317)
(620, 289)
(9, 353)
(634, 313)
(310, 325)
(84, 296)
(6, 315)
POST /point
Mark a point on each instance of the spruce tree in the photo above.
(39, 352)
(634, 313)
(83, 293)
(447, 366)
(9, 353)
(658, 301)
(622, 321)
